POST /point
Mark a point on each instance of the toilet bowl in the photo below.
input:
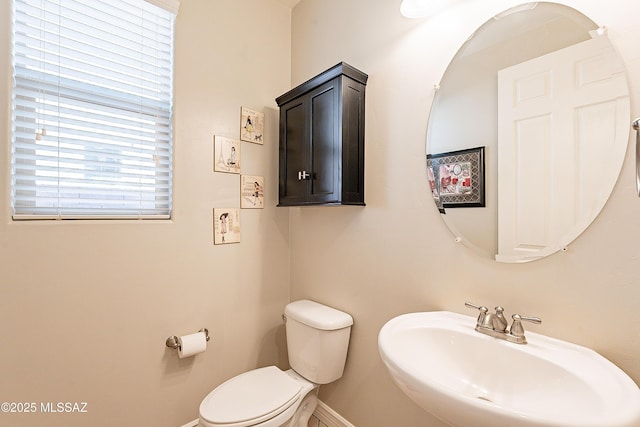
(264, 397)
(317, 342)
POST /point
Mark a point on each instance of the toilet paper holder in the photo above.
(174, 341)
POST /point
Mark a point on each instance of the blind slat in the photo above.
(92, 109)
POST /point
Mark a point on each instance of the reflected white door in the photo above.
(557, 113)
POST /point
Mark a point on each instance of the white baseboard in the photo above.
(193, 423)
(330, 417)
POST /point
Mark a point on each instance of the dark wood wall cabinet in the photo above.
(322, 140)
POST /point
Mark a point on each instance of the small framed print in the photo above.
(251, 192)
(251, 126)
(458, 177)
(226, 154)
(226, 226)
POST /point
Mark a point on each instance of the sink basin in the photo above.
(469, 379)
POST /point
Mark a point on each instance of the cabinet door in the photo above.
(310, 147)
(293, 152)
(325, 144)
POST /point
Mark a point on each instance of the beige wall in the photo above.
(89, 322)
(85, 308)
(395, 255)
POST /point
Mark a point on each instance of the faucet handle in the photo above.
(483, 312)
(477, 307)
(516, 327)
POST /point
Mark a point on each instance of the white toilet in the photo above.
(317, 343)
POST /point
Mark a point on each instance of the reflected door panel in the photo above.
(554, 113)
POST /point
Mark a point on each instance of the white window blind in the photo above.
(92, 109)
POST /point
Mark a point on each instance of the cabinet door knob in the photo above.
(302, 175)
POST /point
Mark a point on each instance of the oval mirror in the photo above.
(528, 132)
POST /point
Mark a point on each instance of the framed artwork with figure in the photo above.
(226, 154)
(226, 226)
(251, 126)
(251, 192)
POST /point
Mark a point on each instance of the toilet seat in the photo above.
(264, 393)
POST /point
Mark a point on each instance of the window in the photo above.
(92, 109)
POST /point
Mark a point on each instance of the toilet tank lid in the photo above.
(317, 315)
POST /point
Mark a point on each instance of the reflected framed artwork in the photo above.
(458, 179)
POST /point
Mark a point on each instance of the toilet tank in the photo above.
(317, 340)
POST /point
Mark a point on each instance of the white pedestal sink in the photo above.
(468, 379)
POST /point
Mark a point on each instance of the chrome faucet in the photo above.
(495, 324)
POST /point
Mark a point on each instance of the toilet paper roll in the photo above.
(192, 344)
